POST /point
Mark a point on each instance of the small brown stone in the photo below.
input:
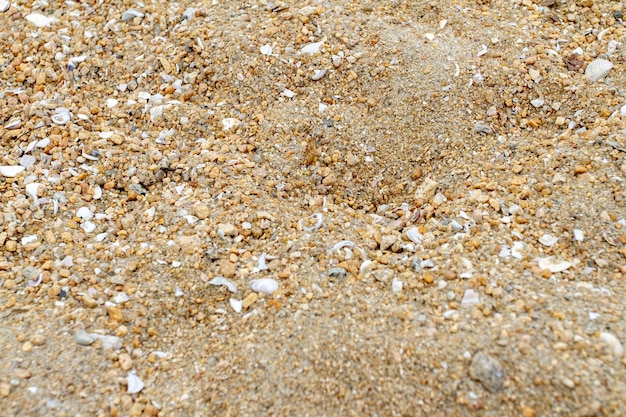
(250, 299)
(227, 268)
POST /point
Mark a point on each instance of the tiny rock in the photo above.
(488, 371)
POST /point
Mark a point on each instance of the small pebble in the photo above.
(488, 371)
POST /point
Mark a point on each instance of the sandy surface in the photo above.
(431, 195)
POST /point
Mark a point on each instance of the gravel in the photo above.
(366, 208)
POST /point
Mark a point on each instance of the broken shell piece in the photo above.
(11, 171)
(266, 49)
(312, 48)
(4, 6)
(414, 235)
(430, 36)
(135, 384)
(13, 124)
(230, 123)
(61, 116)
(319, 74)
(337, 60)
(39, 20)
(613, 343)
(237, 305)
(232, 287)
(470, 298)
(553, 264)
(265, 285)
(131, 14)
(579, 235)
(32, 190)
(598, 69)
(548, 240)
(288, 93)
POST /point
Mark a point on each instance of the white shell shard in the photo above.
(135, 384)
(288, 93)
(598, 69)
(265, 285)
(10, 171)
(32, 190)
(613, 342)
(111, 102)
(553, 264)
(548, 240)
(429, 36)
(470, 298)
(415, 236)
(84, 213)
(517, 250)
(319, 74)
(579, 235)
(312, 48)
(230, 123)
(13, 124)
(232, 287)
(39, 20)
(88, 227)
(61, 116)
(366, 267)
(396, 285)
(237, 305)
(131, 14)
(319, 218)
(266, 49)
(4, 6)
(538, 102)
(101, 236)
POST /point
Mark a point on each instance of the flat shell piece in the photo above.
(553, 264)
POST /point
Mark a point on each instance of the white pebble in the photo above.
(88, 227)
(429, 36)
(111, 102)
(32, 190)
(266, 49)
(10, 171)
(579, 235)
(538, 102)
(265, 285)
(613, 342)
(312, 48)
(396, 285)
(470, 298)
(237, 305)
(135, 384)
(598, 69)
(4, 6)
(288, 93)
(84, 213)
(39, 20)
(548, 240)
(552, 264)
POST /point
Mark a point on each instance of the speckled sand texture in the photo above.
(323, 208)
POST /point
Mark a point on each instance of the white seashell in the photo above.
(156, 112)
(443, 23)
(483, 50)
(190, 13)
(178, 292)
(39, 20)
(29, 239)
(61, 116)
(613, 342)
(13, 124)
(538, 102)
(105, 135)
(135, 384)
(97, 193)
(319, 74)
(131, 14)
(232, 287)
(288, 93)
(230, 123)
(337, 60)
(517, 250)
(32, 190)
(366, 267)
(266, 49)
(101, 236)
(470, 298)
(43, 143)
(429, 36)
(88, 227)
(579, 235)
(622, 111)
(11, 171)
(415, 236)
(265, 285)
(312, 48)
(111, 102)
(84, 213)
(176, 264)
(548, 240)
(553, 265)
(4, 6)
(598, 69)
(237, 305)
(578, 51)
(318, 223)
